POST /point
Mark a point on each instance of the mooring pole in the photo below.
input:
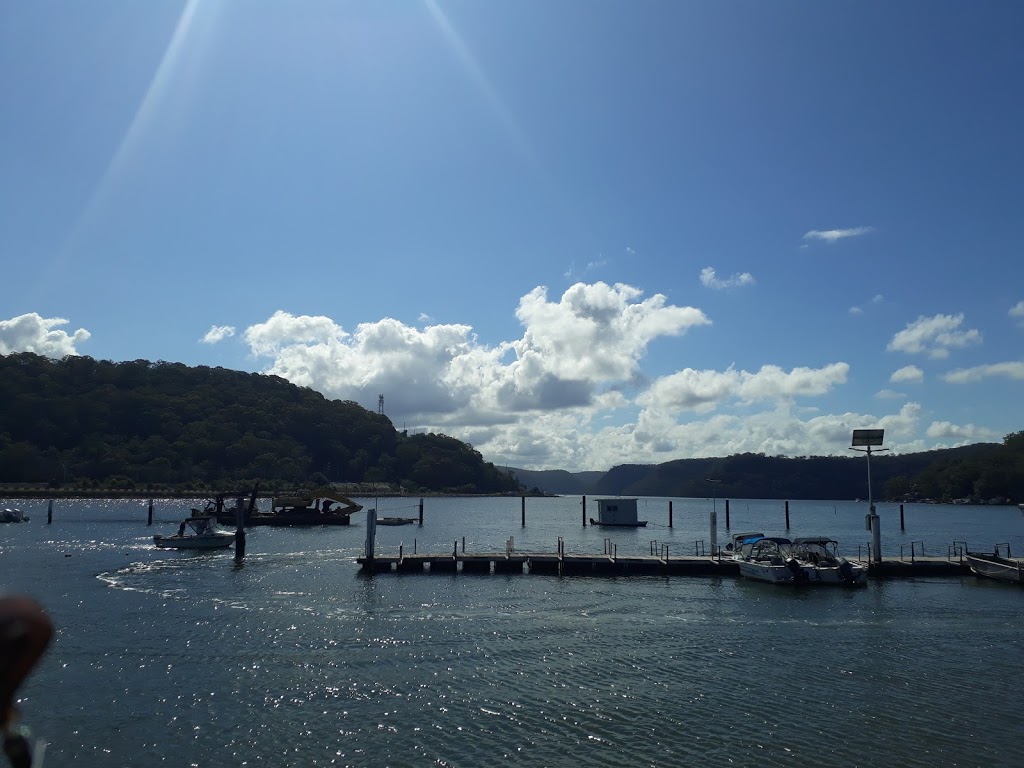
(787, 514)
(727, 514)
(239, 544)
(524, 511)
(49, 512)
(371, 534)
(584, 511)
(902, 528)
(714, 532)
(421, 512)
(670, 513)
(149, 519)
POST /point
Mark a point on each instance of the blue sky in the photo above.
(574, 234)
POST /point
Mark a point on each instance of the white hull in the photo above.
(995, 567)
(773, 574)
(831, 575)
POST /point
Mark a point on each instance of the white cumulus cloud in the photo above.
(34, 333)
(710, 279)
(702, 391)
(834, 235)
(934, 336)
(217, 333)
(907, 373)
(964, 434)
(1010, 370)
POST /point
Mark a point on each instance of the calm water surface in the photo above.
(296, 658)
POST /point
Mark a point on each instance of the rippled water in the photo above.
(294, 657)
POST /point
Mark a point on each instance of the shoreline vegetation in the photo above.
(139, 429)
(9, 491)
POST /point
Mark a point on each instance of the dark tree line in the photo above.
(80, 421)
(980, 473)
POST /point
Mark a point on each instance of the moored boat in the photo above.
(197, 533)
(287, 511)
(767, 558)
(993, 566)
(821, 563)
(617, 513)
(13, 516)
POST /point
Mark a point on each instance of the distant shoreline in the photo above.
(36, 494)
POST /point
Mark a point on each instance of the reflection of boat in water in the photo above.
(396, 520)
(204, 535)
(617, 513)
(287, 511)
(992, 566)
(13, 516)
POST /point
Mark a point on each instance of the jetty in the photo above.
(608, 563)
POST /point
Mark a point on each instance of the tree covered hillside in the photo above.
(133, 424)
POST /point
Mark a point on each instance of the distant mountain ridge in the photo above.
(979, 472)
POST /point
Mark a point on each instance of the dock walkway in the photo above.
(612, 565)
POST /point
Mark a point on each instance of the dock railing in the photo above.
(611, 549)
(913, 549)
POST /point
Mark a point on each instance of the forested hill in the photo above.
(980, 473)
(84, 422)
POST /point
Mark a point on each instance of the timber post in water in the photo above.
(727, 514)
(902, 528)
(49, 512)
(421, 513)
(584, 511)
(524, 510)
(239, 543)
(670, 513)
(371, 534)
(787, 514)
(149, 517)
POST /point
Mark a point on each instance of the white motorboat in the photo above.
(735, 544)
(767, 558)
(993, 566)
(200, 532)
(821, 563)
(13, 516)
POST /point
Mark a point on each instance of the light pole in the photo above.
(714, 514)
(864, 440)
(714, 493)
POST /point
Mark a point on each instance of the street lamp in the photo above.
(714, 514)
(714, 493)
(864, 440)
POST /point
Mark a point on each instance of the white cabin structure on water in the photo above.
(621, 512)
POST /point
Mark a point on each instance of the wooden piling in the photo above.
(524, 510)
(239, 544)
(49, 512)
(902, 527)
(584, 511)
(787, 514)
(670, 513)
(149, 519)
(421, 512)
(727, 514)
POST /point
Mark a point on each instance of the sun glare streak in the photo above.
(137, 129)
(505, 117)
